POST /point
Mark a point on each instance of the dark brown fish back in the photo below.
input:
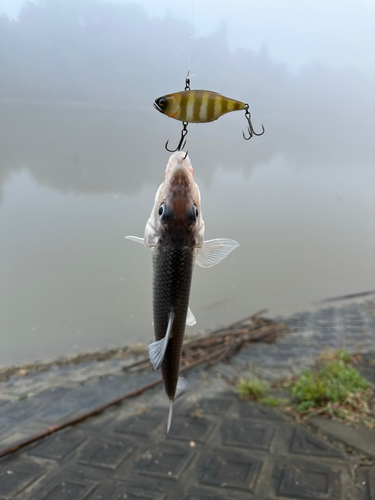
(172, 273)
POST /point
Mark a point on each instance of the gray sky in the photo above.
(337, 33)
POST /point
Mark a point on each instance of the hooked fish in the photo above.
(175, 232)
(196, 106)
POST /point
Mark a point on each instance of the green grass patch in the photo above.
(252, 389)
(258, 390)
(274, 402)
(333, 388)
(334, 383)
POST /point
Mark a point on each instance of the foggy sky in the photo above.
(78, 80)
(296, 33)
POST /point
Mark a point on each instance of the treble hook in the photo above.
(250, 127)
(181, 144)
(184, 130)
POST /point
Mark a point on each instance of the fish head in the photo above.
(167, 105)
(176, 216)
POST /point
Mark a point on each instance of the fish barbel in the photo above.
(175, 232)
(196, 106)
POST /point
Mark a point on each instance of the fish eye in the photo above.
(161, 210)
(193, 214)
(162, 101)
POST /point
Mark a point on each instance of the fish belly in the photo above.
(172, 273)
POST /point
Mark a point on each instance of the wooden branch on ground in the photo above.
(222, 344)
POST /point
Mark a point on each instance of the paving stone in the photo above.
(168, 461)
(366, 484)
(247, 434)
(6, 424)
(99, 421)
(13, 436)
(130, 493)
(230, 470)
(249, 409)
(367, 366)
(199, 494)
(16, 475)
(141, 425)
(215, 406)
(191, 429)
(87, 397)
(65, 487)
(54, 393)
(360, 438)
(106, 452)
(307, 480)
(304, 443)
(58, 412)
(59, 446)
(20, 409)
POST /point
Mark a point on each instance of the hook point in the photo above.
(170, 150)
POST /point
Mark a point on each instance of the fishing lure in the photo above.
(200, 106)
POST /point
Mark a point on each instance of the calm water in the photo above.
(76, 180)
(82, 154)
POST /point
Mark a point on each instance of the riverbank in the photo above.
(122, 451)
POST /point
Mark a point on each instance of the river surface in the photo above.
(76, 178)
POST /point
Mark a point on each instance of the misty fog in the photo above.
(82, 153)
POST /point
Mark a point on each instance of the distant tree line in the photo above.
(79, 49)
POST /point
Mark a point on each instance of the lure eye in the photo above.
(162, 102)
(161, 211)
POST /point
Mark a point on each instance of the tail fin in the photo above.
(169, 416)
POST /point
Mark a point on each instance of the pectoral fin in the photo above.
(136, 239)
(214, 251)
(190, 318)
(156, 350)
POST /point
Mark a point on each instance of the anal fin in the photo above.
(181, 387)
(156, 350)
(190, 318)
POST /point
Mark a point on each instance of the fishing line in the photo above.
(191, 35)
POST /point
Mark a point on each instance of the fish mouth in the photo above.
(179, 169)
(157, 107)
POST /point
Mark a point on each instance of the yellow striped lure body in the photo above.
(196, 106)
(199, 106)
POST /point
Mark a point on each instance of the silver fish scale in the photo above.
(172, 273)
